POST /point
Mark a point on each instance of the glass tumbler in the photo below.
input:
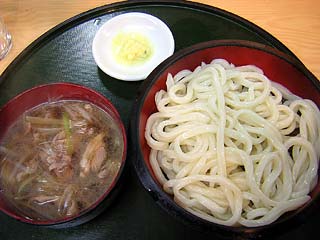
(5, 40)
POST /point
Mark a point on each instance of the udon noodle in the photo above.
(233, 147)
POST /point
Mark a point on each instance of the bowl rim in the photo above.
(163, 199)
(110, 110)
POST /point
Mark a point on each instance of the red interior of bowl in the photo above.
(54, 92)
(275, 68)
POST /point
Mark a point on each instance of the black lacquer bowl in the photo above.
(276, 66)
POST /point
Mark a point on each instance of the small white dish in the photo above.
(153, 33)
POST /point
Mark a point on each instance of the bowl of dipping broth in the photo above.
(228, 137)
(62, 151)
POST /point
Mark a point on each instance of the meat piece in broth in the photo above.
(94, 155)
(57, 158)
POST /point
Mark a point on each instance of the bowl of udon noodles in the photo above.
(62, 153)
(228, 135)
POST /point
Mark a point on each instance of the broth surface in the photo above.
(58, 158)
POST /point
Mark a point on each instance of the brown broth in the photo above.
(58, 158)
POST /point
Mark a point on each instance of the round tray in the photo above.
(63, 54)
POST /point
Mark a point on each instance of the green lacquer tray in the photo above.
(64, 54)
